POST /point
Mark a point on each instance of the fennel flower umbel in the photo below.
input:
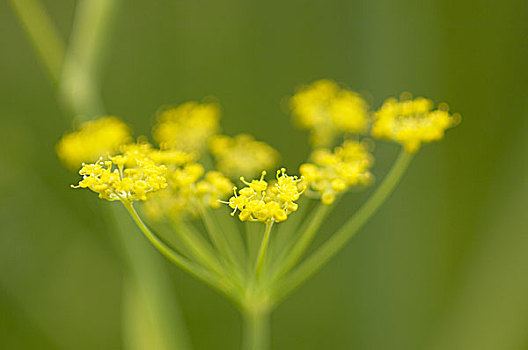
(179, 187)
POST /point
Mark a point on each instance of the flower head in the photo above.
(264, 202)
(92, 140)
(188, 189)
(124, 177)
(168, 157)
(187, 127)
(332, 173)
(327, 110)
(242, 155)
(214, 187)
(412, 122)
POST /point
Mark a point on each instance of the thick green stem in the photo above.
(263, 248)
(256, 331)
(79, 86)
(43, 35)
(347, 231)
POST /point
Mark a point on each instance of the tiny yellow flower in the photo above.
(242, 155)
(412, 122)
(328, 110)
(332, 173)
(92, 140)
(260, 201)
(187, 127)
(112, 180)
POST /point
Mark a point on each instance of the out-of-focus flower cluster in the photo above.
(242, 155)
(332, 173)
(264, 202)
(412, 122)
(187, 127)
(185, 133)
(328, 110)
(188, 190)
(143, 149)
(92, 140)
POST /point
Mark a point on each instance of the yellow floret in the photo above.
(92, 140)
(115, 181)
(412, 122)
(264, 202)
(187, 127)
(242, 155)
(328, 110)
(332, 173)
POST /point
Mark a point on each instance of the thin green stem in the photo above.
(286, 231)
(151, 313)
(263, 248)
(220, 242)
(43, 35)
(196, 270)
(200, 249)
(231, 232)
(347, 231)
(256, 330)
(290, 258)
(252, 234)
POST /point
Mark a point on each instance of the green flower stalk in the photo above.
(174, 185)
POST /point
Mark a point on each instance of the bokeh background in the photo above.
(443, 265)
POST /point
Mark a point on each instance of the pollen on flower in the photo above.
(242, 155)
(187, 127)
(328, 110)
(123, 177)
(92, 140)
(261, 201)
(412, 122)
(332, 173)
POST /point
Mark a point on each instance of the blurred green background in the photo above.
(443, 265)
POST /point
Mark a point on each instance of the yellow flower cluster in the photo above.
(242, 155)
(332, 173)
(327, 110)
(187, 127)
(412, 122)
(143, 149)
(124, 177)
(214, 187)
(93, 139)
(188, 190)
(262, 202)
